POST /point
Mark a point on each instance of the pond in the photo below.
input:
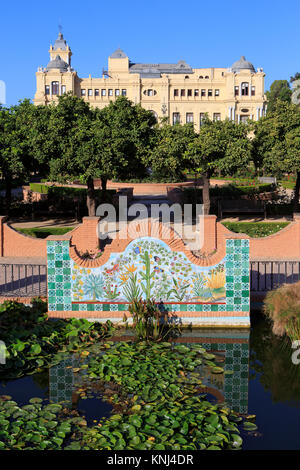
(259, 379)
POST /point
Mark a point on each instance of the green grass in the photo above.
(287, 184)
(256, 229)
(44, 232)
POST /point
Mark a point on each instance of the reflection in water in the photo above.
(271, 364)
(274, 386)
(230, 346)
(61, 380)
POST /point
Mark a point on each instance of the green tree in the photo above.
(125, 136)
(222, 145)
(107, 143)
(16, 159)
(277, 143)
(168, 158)
(279, 90)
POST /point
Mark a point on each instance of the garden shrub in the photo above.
(60, 192)
(228, 191)
(282, 306)
(232, 191)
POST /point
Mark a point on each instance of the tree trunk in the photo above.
(195, 188)
(8, 185)
(103, 189)
(205, 193)
(296, 196)
(91, 201)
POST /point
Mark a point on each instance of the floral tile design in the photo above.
(148, 268)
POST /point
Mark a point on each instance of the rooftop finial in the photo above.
(60, 28)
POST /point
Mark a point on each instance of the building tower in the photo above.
(58, 77)
(61, 48)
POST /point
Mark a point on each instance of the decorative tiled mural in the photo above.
(149, 268)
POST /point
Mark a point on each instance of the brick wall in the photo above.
(283, 245)
(13, 243)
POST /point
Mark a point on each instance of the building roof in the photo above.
(155, 70)
(242, 64)
(58, 63)
(118, 54)
(60, 43)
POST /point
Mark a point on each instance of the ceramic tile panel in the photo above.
(150, 269)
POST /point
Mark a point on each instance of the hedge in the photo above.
(67, 192)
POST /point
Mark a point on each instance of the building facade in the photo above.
(175, 91)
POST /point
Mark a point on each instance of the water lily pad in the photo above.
(248, 426)
(237, 441)
(35, 400)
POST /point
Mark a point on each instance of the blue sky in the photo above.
(204, 33)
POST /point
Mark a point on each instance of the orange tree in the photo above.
(276, 146)
(222, 145)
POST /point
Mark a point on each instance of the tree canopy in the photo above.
(220, 145)
(168, 158)
(279, 90)
(277, 142)
(91, 143)
(17, 159)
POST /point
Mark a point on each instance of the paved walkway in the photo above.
(44, 223)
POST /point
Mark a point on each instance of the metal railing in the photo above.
(23, 280)
(267, 275)
(30, 280)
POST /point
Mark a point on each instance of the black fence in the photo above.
(23, 280)
(30, 280)
(267, 275)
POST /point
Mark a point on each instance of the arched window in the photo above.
(55, 88)
(150, 92)
(245, 89)
(201, 77)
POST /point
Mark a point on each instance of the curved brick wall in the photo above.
(282, 245)
(13, 243)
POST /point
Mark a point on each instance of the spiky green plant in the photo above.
(94, 286)
(179, 289)
(150, 323)
(131, 289)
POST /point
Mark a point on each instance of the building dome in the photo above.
(59, 64)
(242, 64)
